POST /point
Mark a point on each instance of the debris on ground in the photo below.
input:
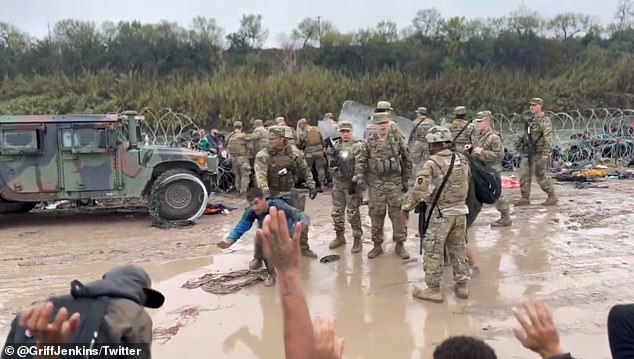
(225, 283)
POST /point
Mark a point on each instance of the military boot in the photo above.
(551, 200)
(307, 252)
(523, 202)
(462, 291)
(504, 221)
(430, 294)
(356, 245)
(256, 262)
(339, 241)
(376, 251)
(269, 281)
(400, 251)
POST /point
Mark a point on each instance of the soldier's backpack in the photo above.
(485, 180)
(93, 331)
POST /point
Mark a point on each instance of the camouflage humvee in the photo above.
(76, 157)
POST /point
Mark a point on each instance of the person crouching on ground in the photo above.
(258, 209)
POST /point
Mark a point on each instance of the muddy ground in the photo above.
(576, 256)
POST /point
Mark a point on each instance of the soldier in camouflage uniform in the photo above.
(463, 132)
(260, 137)
(420, 148)
(448, 223)
(347, 190)
(490, 150)
(290, 133)
(277, 169)
(387, 165)
(535, 147)
(311, 142)
(240, 164)
(386, 107)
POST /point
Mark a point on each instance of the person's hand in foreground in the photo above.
(282, 251)
(328, 347)
(540, 334)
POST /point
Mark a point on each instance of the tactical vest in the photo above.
(482, 142)
(465, 137)
(348, 161)
(281, 174)
(313, 139)
(237, 146)
(536, 139)
(93, 331)
(455, 191)
(384, 157)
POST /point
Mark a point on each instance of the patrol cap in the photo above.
(328, 115)
(460, 110)
(257, 122)
(536, 101)
(482, 115)
(384, 105)
(301, 121)
(280, 120)
(277, 132)
(438, 134)
(380, 117)
(237, 124)
(421, 110)
(344, 125)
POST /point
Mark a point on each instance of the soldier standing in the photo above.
(277, 169)
(535, 147)
(289, 133)
(490, 150)
(420, 148)
(311, 142)
(240, 164)
(448, 222)
(260, 136)
(463, 132)
(388, 167)
(347, 193)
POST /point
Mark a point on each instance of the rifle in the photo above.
(336, 160)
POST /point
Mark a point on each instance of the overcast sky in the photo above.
(279, 16)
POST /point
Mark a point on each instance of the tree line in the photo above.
(571, 60)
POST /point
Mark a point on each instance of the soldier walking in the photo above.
(277, 169)
(448, 222)
(535, 147)
(388, 167)
(420, 148)
(240, 164)
(462, 130)
(490, 150)
(347, 192)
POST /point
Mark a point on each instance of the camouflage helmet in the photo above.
(277, 132)
(421, 110)
(460, 110)
(344, 125)
(438, 134)
(384, 105)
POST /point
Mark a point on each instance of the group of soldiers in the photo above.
(384, 165)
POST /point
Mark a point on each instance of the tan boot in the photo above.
(523, 202)
(400, 251)
(551, 200)
(376, 251)
(357, 246)
(430, 294)
(339, 241)
(308, 253)
(269, 281)
(504, 221)
(255, 263)
(462, 291)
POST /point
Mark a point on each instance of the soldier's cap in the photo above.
(280, 120)
(328, 115)
(301, 121)
(257, 122)
(380, 117)
(277, 132)
(482, 115)
(237, 124)
(460, 110)
(421, 110)
(128, 281)
(536, 101)
(384, 105)
(344, 125)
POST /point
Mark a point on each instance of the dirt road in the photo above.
(576, 256)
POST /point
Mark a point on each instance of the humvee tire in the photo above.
(16, 207)
(177, 195)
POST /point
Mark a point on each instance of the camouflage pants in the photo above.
(381, 195)
(297, 198)
(449, 231)
(420, 152)
(318, 160)
(241, 168)
(342, 201)
(540, 170)
(502, 205)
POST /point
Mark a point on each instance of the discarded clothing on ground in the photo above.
(217, 209)
(225, 283)
(510, 182)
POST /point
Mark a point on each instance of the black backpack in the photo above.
(92, 333)
(486, 181)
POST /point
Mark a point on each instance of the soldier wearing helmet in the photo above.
(420, 148)
(462, 130)
(448, 223)
(386, 163)
(278, 168)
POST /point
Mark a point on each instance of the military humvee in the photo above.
(78, 157)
